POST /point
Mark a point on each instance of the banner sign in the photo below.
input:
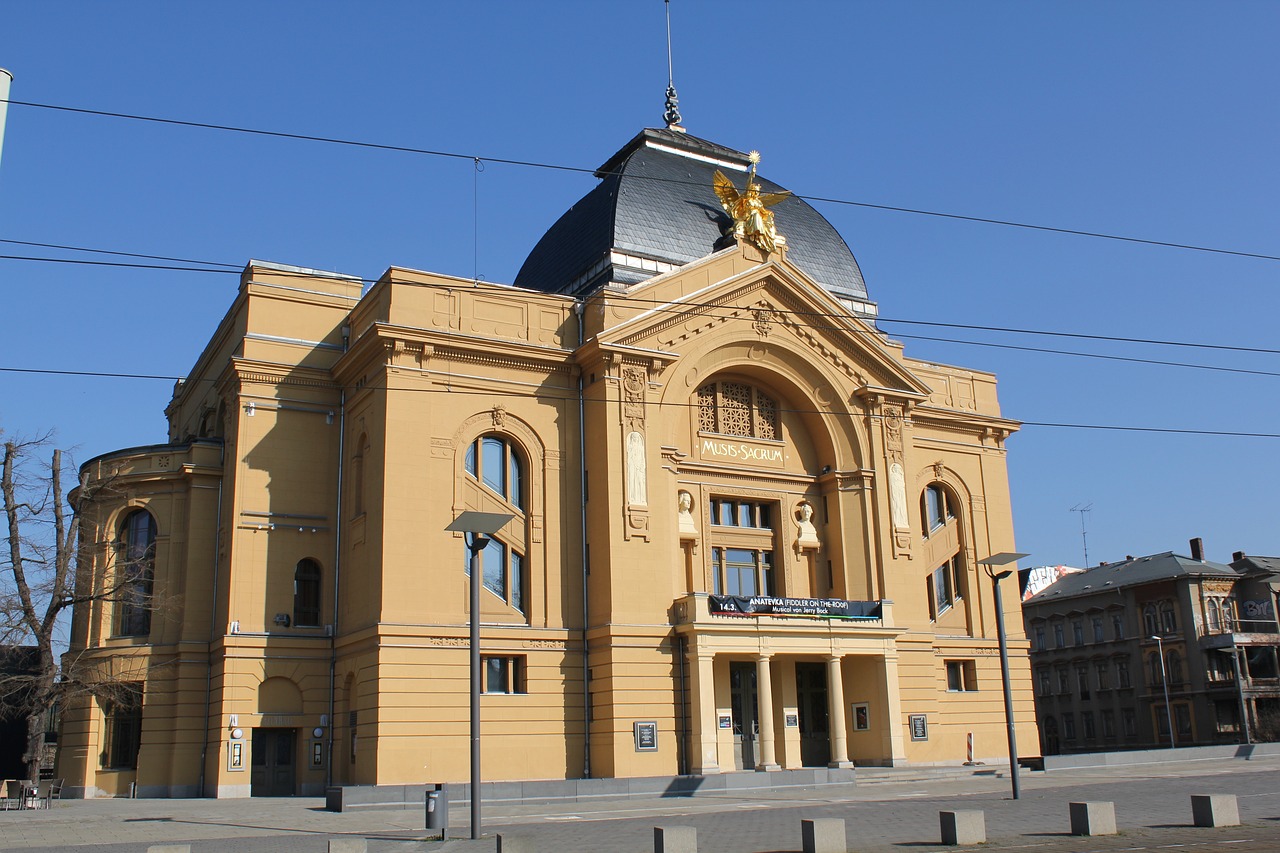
(766, 605)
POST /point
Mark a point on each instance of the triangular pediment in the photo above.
(766, 301)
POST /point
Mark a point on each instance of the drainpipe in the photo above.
(337, 576)
(578, 308)
(213, 617)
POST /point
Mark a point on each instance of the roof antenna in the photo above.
(672, 114)
(1084, 536)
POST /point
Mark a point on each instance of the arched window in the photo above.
(1153, 664)
(136, 574)
(1215, 616)
(1150, 620)
(1175, 668)
(736, 408)
(1229, 615)
(306, 594)
(494, 462)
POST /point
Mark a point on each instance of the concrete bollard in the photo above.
(1093, 818)
(508, 843)
(1215, 810)
(824, 835)
(169, 848)
(675, 839)
(348, 845)
(963, 827)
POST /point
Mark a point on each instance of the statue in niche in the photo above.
(684, 516)
(806, 534)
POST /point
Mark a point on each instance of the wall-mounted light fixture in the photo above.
(249, 409)
(282, 619)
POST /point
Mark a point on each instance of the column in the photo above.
(704, 760)
(764, 701)
(835, 715)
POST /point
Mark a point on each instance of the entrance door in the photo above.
(811, 696)
(746, 717)
(273, 762)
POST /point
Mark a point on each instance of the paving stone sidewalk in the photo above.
(1153, 812)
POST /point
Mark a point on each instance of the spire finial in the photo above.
(672, 114)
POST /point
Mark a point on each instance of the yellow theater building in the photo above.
(745, 525)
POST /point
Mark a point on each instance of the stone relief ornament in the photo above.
(898, 497)
(749, 210)
(637, 487)
(763, 321)
(499, 416)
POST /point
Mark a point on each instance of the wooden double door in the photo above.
(274, 759)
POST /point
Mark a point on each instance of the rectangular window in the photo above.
(503, 674)
(123, 736)
(1129, 722)
(1069, 726)
(1122, 673)
(1227, 716)
(1058, 636)
(962, 676)
(1040, 638)
(1104, 675)
(1182, 719)
(744, 572)
(1064, 681)
(501, 572)
(941, 587)
(1086, 720)
(1108, 724)
(728, 513)
(1098, 636)
(1046, 685)
(1082, 681)
(1077, 632)
(1117, 626)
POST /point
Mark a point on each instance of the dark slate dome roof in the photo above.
(654, 210)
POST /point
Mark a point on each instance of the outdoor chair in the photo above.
(39, 795)
(11, 795)
(55, 792)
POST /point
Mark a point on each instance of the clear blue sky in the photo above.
(1151, 120)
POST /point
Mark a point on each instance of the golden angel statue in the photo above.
(752, 218)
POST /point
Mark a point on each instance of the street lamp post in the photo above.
(1164, 681)
(1003, 559)
(478, 528)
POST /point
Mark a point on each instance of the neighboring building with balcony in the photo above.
(1107, 642)
(745, 525)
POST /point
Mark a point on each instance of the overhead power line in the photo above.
(534, 164)
(236, 269)
(488, 394)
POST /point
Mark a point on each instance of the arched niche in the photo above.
(279, 695)
(814, 401)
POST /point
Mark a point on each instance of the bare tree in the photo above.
(40, 585)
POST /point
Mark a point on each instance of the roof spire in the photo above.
(672, 114)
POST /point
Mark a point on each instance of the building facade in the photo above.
(745, 525)
(1119, 649)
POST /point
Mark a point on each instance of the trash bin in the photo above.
(438, 810)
